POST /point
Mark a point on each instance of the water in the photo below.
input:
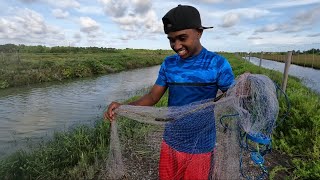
(38, 111)
(310, 77)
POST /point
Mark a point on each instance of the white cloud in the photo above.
(90, 10)
(302, 21)
(254, 37)
(88, 25)
(211, 1)
(136, 15)
(235, 33)
(142, 6)
(60, 14)
(234, 16)
(269, 28)
(28, 26)
(63, 4)
(314, 35)
(308, 17)
(278, 40)
(288, 3)
(114, 8)
(230, 19)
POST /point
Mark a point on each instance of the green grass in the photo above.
(306, 60)
(79, 153)
(299, 134)
(30, 68)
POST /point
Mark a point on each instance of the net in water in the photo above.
(242, 120)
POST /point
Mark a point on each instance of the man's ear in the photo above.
(199, 31)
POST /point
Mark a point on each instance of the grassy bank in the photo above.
(299, 134)
(17, 69)
(80, 153)
(305, 60)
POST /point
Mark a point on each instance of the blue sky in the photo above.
(239, 25)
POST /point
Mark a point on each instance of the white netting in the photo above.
(250, 106)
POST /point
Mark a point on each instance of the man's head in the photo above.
(183, 26)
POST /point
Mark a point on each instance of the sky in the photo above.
(239, 25)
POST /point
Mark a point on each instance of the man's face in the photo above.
(186, 42)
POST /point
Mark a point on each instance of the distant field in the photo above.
(306, 60)
(18, 69)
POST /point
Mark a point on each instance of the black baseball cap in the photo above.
(182, 17)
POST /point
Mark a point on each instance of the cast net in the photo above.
(207, 136)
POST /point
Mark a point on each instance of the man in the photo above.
(191, 75)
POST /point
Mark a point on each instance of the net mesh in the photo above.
(204, 127)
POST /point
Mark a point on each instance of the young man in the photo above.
(191, 75)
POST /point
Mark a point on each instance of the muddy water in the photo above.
(37, 111)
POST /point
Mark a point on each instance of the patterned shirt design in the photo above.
(189, 80)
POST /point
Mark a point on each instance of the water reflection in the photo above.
(309, 76)
(33, 112)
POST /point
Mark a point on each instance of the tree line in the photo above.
(12, 48)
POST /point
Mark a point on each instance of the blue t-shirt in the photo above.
(189, 80)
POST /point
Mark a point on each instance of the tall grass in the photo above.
(299, 134)
(306, 60)
(18, 69)
(77, 154)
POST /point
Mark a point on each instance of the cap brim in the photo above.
(205, 27)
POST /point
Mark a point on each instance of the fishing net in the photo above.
(234, 130)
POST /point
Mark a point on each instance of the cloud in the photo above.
(114, 8)
(28, 26)
(230, 20)
(235, 33)
(63, 4)
(254, 38)
(234, 16)
(28, 1)
(92, 30)
(215, 1)
(308, 17)
(142, 6)
(314, 35)
(302, 21)
(136, 15)
(269, 28)
(211, 1)
(288, 3)
(90, 10)
(88, 25)
(60, 14)
(76, 39)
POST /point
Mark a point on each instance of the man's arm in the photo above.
(152, 97)
(149, 99)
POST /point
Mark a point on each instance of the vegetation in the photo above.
(310, 58)
(80, 153)
(37, 64)
(298, 135)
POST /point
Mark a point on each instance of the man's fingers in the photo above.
(110, 114)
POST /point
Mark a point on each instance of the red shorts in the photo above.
(179, 165)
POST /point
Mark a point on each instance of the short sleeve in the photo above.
(225, 75)
(162, 78)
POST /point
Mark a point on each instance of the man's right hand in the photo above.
(109, 114)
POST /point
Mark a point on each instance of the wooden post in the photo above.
(312, 56)
(286, 71)
(261, 56)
